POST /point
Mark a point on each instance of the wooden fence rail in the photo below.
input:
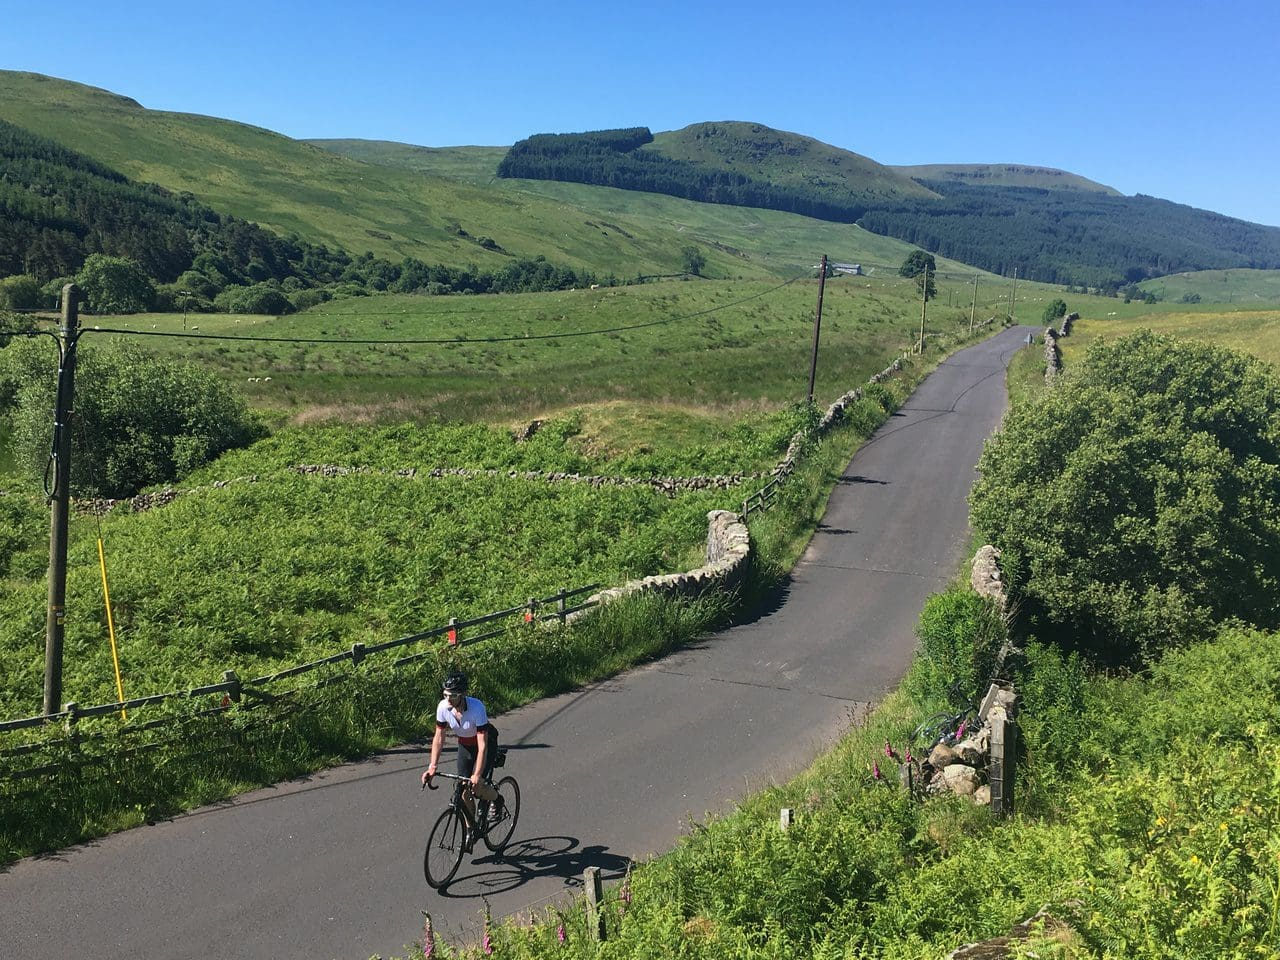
(235, 689)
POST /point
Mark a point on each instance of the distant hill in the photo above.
(1004, 175)
(740, 164)
(57, 207)
(1046, 224)
(438, 205)
(292, 187)
(1074, 236)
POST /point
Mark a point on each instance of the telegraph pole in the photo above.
(974, 307)
(60, 500)
(924, 301)
(817, 325)
(1013, 294)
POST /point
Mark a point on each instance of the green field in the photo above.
(713, 347)
(1256, 332)
(1241, 288)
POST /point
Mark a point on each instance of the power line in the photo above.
(443, 340)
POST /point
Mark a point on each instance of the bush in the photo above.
(960, 635)
(1138, 503)
(1054, 311)
(140, 419)
(263, 298)
(115, 285)
(21, 292)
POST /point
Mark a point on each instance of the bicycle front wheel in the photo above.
(444, 848)
(503, 823)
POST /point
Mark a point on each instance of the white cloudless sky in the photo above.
(1173, 99)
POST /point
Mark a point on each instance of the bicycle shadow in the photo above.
(533, 858)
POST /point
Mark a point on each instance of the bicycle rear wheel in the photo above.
(444, 848)
(503, 824)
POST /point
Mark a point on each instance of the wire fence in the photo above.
(253, 692)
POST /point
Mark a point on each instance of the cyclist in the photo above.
(466, 718)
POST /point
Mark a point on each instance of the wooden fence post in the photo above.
(1004, 736)
(595, 919)
(229, 676)
(785, 818)
(560, 605)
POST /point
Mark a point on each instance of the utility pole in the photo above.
(924, 300)
(1013, 295)
(817, 325)
(974, 307)
(60, 500)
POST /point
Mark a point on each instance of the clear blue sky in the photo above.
(1172, 99)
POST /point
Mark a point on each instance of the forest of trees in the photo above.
(1072, 237)
(1057, 236)
(59, 209)
(611, 158)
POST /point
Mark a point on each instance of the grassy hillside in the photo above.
(1244, 287)
(290, 186)
(470, 164)
(1004, 175)
(784, 158)
(739, 241)
(414, 201)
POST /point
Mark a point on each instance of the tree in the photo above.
(921, 266)
(140, 419)
(21, 292)
(1054, 311)
(115, 285)
(1139, 505)
(692, 259)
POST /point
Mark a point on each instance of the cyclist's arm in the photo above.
(437, 742)
(482, 751)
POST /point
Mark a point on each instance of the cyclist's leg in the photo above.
(490, 755)
(466, 764)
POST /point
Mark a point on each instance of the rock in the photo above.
(974, 750)
(961, 779)
(982, 796)
(942, 756)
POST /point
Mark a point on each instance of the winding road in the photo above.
(331, 865)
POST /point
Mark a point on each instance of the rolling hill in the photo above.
(436, 206)
(1047, 224)
(1004, 175)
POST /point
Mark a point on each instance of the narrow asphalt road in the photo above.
(331, 866)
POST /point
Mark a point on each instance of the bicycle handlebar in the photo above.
(440, 773)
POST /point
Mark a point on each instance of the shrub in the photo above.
(21, 292)
(1138, 503)
(140, 419)
(1054, 311)
(960, 635)
(263, 298)
(115, 285)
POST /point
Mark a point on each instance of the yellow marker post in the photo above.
(111, 626)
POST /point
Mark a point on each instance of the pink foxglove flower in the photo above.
(875, 770)
(428, 939)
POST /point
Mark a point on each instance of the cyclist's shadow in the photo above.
(532, 859)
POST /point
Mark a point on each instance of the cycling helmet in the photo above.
(455, 682)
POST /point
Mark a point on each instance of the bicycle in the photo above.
(949, 728)
(455, 831)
